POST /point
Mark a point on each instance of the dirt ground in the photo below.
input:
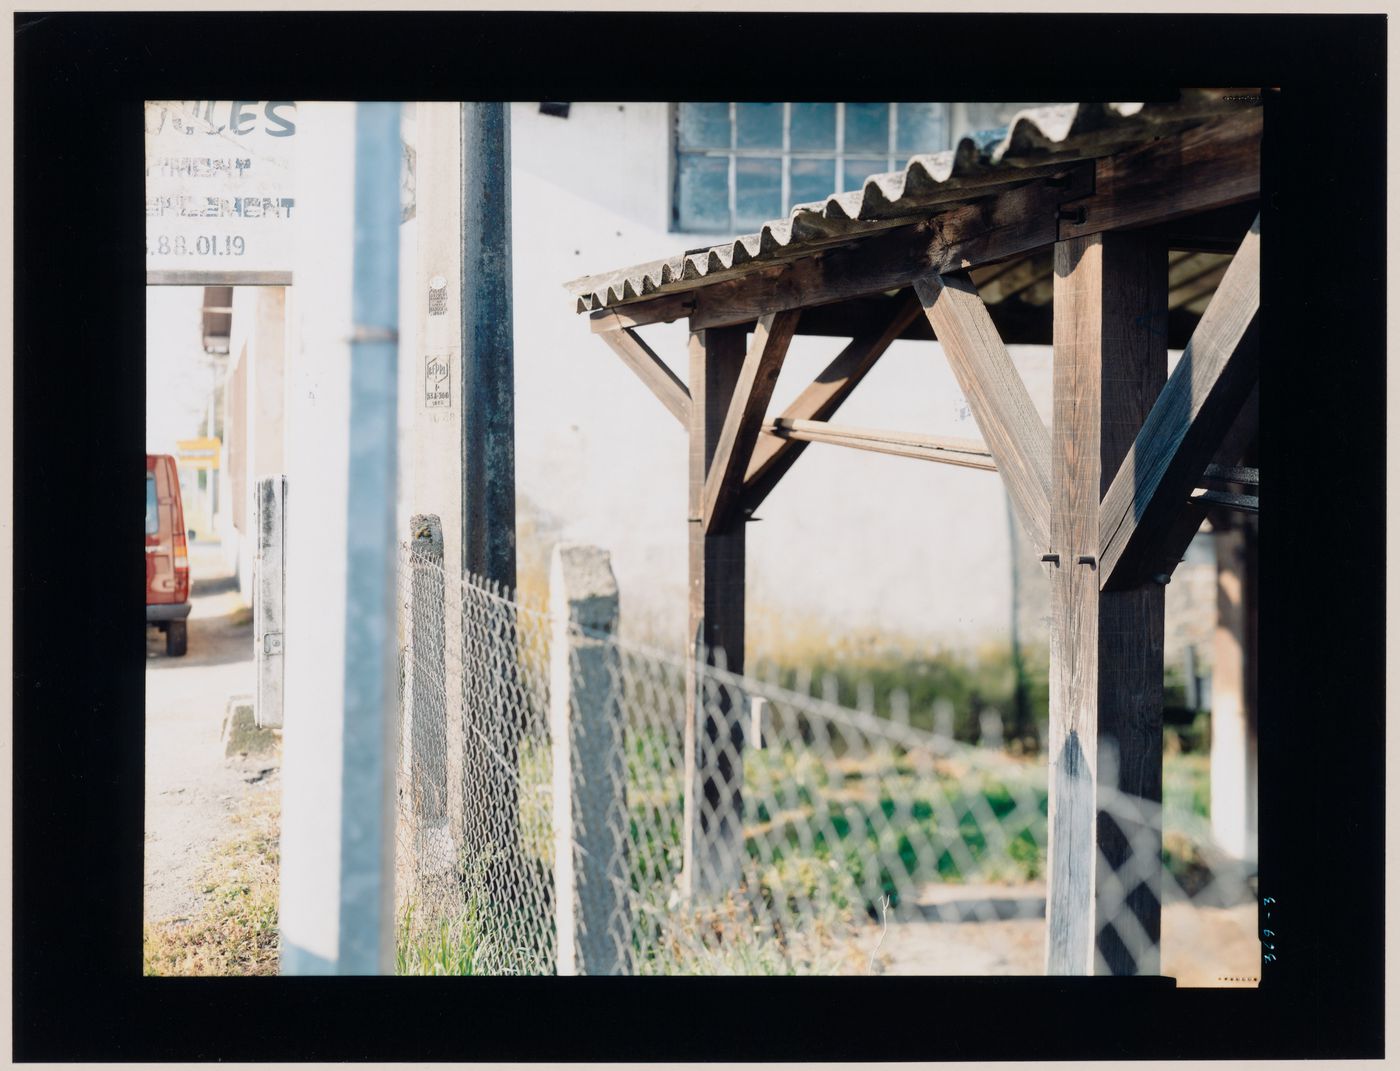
(1201, 946)
(191, 789)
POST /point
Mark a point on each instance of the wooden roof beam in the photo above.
(772, 457)
(1185, 428)
(1013, 430)
(764, 360)
(1204, 168)
(650, 369)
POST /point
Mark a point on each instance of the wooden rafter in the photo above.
(651, 370)
(1012, 428)
(1185, 426)
(773, 456)
(757, 378)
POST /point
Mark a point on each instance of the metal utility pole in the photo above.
(338, 812)
(488, 349)
(488, 462)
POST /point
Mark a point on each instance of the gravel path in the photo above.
(190, 788)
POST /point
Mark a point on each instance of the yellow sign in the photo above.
(202, 453)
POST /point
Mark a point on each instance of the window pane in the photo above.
(758, 191)
(704, 126)
(152, 510)
(760, 125)
(813, 126)
(704, 192)
(812, 180)
(861, 168)
(922, 128)
(867, 127)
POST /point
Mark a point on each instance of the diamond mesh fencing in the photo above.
(554, 817)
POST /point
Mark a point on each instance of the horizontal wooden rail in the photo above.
(969, 453)
(965, 452)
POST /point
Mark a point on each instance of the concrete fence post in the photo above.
(425, 693)
(588, 731)
(270, 588)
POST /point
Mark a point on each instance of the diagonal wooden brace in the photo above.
(651, 370)
(1014, 433)
(759, 375)
(772, 456)
(1184, 429)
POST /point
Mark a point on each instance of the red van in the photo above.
(167, 554)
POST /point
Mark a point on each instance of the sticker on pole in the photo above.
(437, 383)
(220, 197)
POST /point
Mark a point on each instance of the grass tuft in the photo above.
(234, 931)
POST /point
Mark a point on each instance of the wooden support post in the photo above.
(268, 617)
(1234, 750)
(1106, 648)
(588, 734)
(714, 731)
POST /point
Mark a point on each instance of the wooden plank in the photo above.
(1217, 231)
(1210, 498)
(862, 316)
(1011, 223)
(1185, 427)
(1019, 278)
(651, 370)
(713, 735)
(965, 452)
(773, 457)
(1241, 474)
(1195, 511)
(1000, 404)
(1106, 648)
(662, 309)
(1206, 167)
(724, 481)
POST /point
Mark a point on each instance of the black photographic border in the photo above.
(78, 992)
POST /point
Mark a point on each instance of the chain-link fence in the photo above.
(554, 816)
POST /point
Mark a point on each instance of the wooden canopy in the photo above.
(1110, 232)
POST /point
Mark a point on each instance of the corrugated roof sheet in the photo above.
(1035, 142)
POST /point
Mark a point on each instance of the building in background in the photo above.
(624, 182)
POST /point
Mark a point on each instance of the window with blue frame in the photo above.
(740, 164)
